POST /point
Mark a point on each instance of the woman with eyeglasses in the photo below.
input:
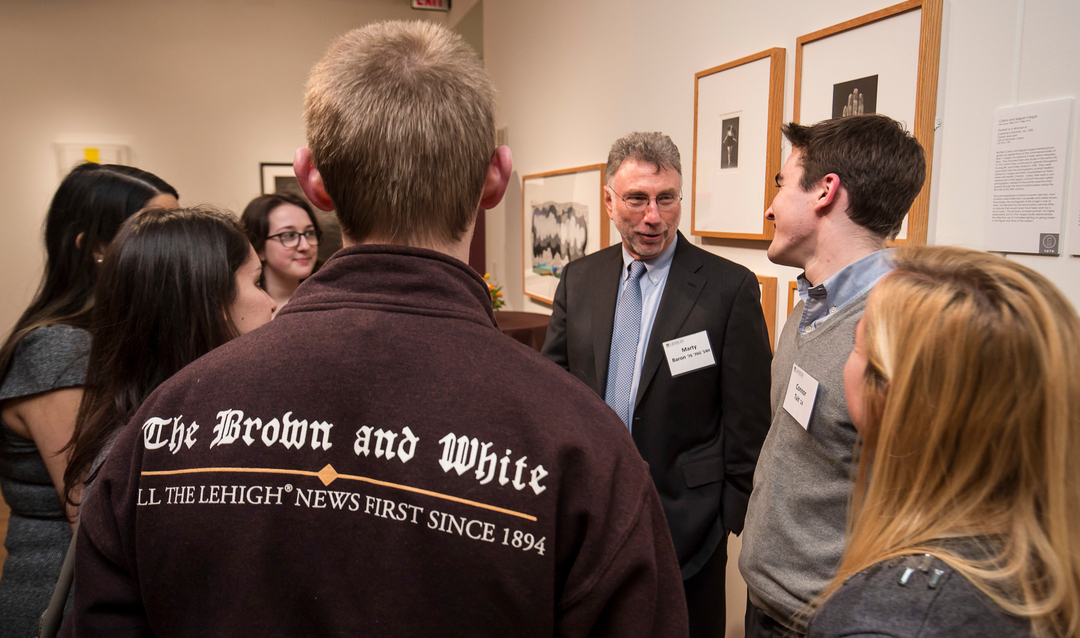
(42, 371)
(964, 386)
(285, 233)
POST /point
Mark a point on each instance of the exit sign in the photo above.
(431, 5)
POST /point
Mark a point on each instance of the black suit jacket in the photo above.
(700, 432)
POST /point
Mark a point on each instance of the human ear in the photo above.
(609, 203)
(99, 250)
(828, 192)
(497, 179)
(310, 179)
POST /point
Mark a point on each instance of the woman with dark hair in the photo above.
(42, 369)
(285, 233)
(964, 386)
(175, 284)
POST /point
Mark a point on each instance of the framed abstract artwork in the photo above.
(738, 108)
(563, 219)
(883, 62)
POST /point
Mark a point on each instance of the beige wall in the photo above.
(201, 90)
(574, 76)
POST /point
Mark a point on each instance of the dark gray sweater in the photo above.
(794, 533)
(913, 596)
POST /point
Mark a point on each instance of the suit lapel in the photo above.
(604, 294)
(681, 292)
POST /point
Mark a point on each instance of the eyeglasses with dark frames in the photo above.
(291, 238)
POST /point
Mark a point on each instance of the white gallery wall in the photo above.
(204, 90)
(201, 90)
(574, 76)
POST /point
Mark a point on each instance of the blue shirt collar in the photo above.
(845, 286)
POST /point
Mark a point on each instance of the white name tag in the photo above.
(801, 392)
(689, 353)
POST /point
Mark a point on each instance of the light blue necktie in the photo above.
(624, 344)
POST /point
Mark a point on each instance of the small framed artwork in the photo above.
(278, 177)
(792, 295)
(738, 108)
(768, 305)
(883, 62)
(563, 219)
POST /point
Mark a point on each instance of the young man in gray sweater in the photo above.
(844, 191)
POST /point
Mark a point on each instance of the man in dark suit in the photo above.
(674, 339)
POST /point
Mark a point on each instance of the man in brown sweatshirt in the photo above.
(379, 460)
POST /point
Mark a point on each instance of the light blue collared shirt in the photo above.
(848, 284)
(652, 289)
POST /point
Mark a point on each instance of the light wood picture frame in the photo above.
(563, 218)
(768, 306)
(899, 48)
(738, 111)
(792, 296)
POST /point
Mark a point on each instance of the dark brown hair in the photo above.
(255, 220)
(92, 201)
(162, 301)
(881, 166)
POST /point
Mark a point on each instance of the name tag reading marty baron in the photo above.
(801, 393)
(689, 353)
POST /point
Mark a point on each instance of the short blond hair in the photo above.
(401, 126)
(972, 394)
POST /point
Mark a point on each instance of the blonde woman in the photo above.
(965, 520)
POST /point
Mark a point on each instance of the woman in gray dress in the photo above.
(42, 368)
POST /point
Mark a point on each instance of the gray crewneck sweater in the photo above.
(797, 516)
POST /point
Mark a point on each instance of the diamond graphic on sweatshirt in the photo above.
(327, 475)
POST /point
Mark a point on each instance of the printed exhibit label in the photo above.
(1027, 192)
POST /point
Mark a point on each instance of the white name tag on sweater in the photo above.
(689, 353)
(801, 392)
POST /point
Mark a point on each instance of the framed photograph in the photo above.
(278, 177)
(883, 62)
(792, 295)
(564, 219)
(738, 110)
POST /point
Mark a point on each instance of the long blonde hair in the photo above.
(972, 397)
